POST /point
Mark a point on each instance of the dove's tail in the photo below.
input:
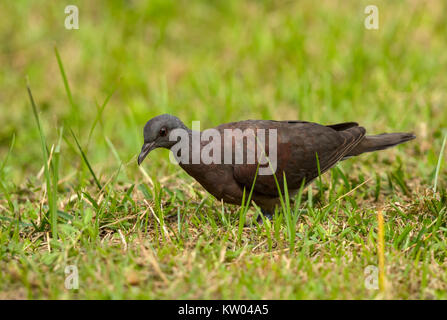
(380, 142)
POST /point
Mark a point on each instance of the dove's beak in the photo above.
(147, 147)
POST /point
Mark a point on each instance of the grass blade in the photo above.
(99, 115)
(320, 183)
(55, 171)
(74, 112)
(11, 146)
(438, 166)
(2, 186)
(84, 157)
(381, 250)
(45, 155)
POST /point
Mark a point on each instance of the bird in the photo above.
(304, 150)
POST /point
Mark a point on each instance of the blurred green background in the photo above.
(216, 61)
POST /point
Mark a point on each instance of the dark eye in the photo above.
(163, 131)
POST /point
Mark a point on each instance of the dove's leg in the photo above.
(267, 215)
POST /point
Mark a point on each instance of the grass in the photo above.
(71, 193)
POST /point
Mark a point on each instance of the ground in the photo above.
(152, 231)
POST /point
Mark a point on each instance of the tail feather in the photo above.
(380, 142)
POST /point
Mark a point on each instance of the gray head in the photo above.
(156, 134)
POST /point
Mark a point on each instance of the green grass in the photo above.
(71, 192)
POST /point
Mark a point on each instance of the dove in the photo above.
(301, 151)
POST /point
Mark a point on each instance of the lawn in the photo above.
(73, 200)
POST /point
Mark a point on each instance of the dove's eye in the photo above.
(163, 132)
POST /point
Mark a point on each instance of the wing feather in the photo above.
(297, 147)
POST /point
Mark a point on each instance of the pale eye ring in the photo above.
(163, 131)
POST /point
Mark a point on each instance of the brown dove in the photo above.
(301, 151)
